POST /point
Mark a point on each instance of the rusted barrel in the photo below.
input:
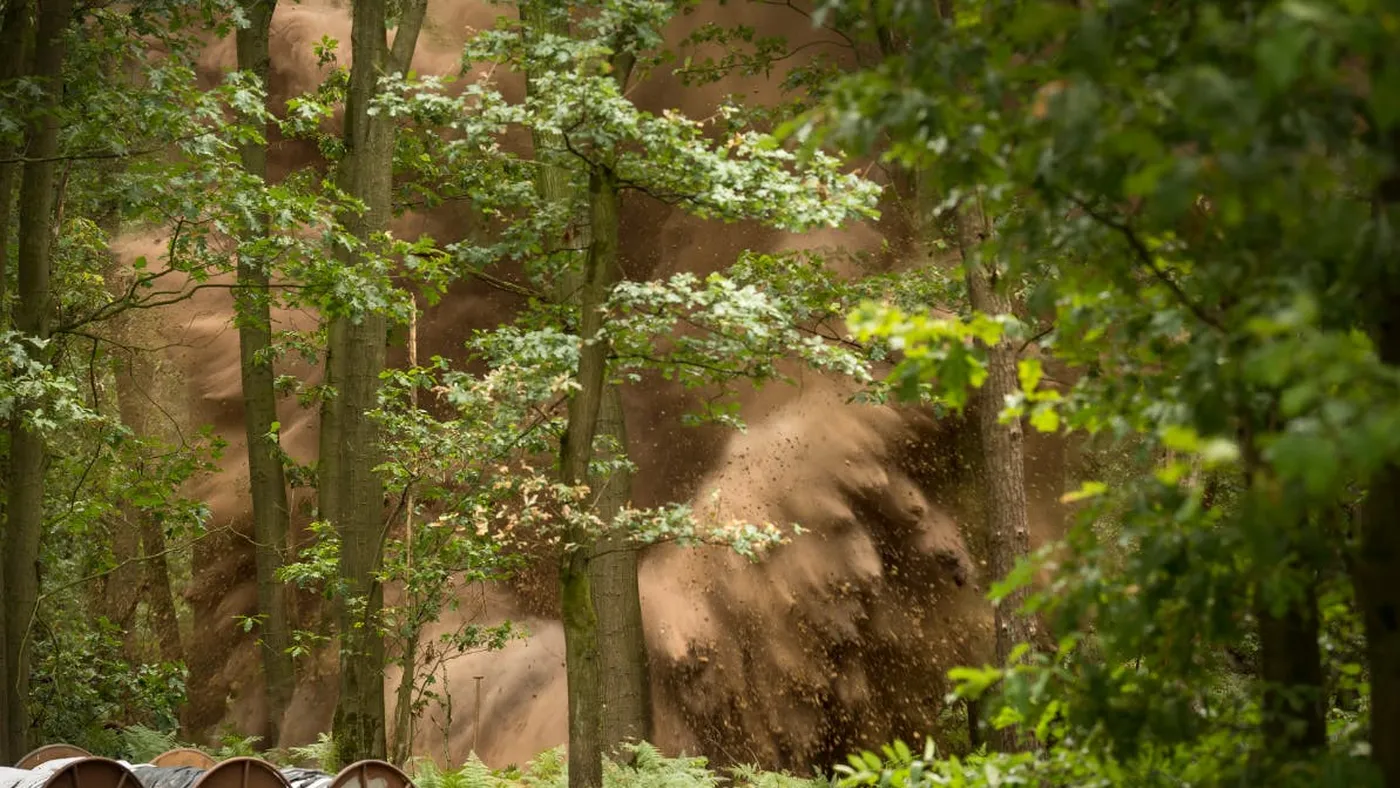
(92, 773)
(77, 772)
(371, 774)
(51, 752)
(242, 773)
(184, 756)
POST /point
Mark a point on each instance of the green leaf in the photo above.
(1087, 490)
(1045, 418)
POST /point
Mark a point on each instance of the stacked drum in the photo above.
(65, 766)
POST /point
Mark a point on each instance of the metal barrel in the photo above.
(51, 752)
(184, 756)
(242, 773)
(371, 774)
(92, 773)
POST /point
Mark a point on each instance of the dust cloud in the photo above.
(839, 639)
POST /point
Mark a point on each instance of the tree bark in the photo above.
(617, 600)
(355, 357)
(14, 34)
(266, 476)
(15, 28)
(609, 644)
(136, 537)
(1003, 455)
(28, 454)
(1375, 563)
(1375, 567)
(1290, 662)
(575, 574)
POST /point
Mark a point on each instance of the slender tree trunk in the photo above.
(1375, 569)
(1293, 702)
(1375, 562)
(609, 685)
(266, 476)
(575, 575)
(14, 62)
(626, 685)
(1290, 662)
(408, 660)
(15, 28)
(355, 359)
(160, 594)
(403, 698)
(137, 537)
(1003, 455)
(28, 454)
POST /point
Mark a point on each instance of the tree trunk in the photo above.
(1003, 455)
(15, 28)
(1290, 662)
(617, 600)
(14, 34)
(609, 687)
(1375, 567)
(408, 660)
(575, 574)
(266, 475)
(28, 454)
(138, 541)
(1376, 559)
(1293, 704)
(403, 697)
(355, 359)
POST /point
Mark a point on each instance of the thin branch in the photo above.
(850, 343)
(114, 308)
(789, 4)
(102, 155)
(505, 285)
(1039, 336)
(725, 69)
(1144, 256)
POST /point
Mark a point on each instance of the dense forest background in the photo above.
(771, 381)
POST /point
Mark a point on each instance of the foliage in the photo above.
(235, 745)
(320, 754)
(647, 768)
(140, 744)
(1193, 196)
(85, 691)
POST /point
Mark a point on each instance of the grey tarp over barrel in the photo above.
(307, 778)
(84, 772)
(186, 776)
(232, 773)
(166, 776)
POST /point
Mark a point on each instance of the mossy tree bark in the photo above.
(266, 476)
(352, 494)
(575, 574)
(1008, 534)
(608, 677)
(28, 453)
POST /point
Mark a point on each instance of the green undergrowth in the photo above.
(648, 769)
